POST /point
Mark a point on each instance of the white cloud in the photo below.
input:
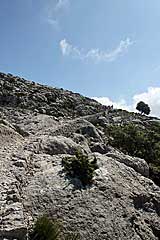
(151, 97)
(121, 104)
(61, 4)
(95, 54)
(53, 11)
(67, 49)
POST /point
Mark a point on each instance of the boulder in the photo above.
(57, 145)
(138, 164)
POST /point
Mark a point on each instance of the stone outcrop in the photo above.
(36, 132)
(138, 164)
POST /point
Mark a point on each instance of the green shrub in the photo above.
(47, 229)
(155, 173)
(81, 167)
(139, 142)
(135, 141)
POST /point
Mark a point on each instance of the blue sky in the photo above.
(107, 49)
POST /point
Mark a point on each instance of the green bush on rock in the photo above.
(81, 167)
(47, 229)
(139, 142)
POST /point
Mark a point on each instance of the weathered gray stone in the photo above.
(138, 164)
(122, 203)
(58, 145)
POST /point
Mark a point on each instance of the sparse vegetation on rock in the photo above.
(42, 125)
(48, 229)
(81, 167)
(140, 142)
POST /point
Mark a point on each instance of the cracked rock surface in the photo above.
(122, 203)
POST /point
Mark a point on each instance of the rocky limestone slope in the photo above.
(39, 126)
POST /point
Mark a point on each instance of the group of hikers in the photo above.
(108, 108)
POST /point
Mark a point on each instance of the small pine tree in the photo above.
(81, 167)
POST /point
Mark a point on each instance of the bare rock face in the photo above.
(122, 202)
(138, 164)
(53, 145)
